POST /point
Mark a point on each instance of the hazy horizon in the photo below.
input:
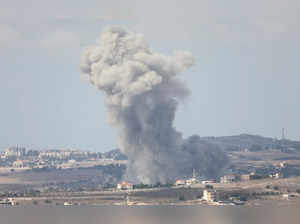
(245, 79)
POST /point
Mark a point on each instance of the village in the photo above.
(213, 190)
(19, 159)
(74, 177)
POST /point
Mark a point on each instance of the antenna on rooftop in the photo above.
(194, 173)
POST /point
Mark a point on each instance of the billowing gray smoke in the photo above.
(142, 93)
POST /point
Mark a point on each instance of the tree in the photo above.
(209, 186)
(47, 201)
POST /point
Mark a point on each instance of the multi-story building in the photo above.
(210, 195)
(57, 154)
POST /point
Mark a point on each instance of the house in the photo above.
(228, 179)
(66, 203)
(124, 186)
(208, 182)
(245, 177)
(282, 165)
(18, 163)
(276, 175)
(209, 195)
(251, 176)
(288, 196)
(180, 182)
(7, 201)
(191, 181)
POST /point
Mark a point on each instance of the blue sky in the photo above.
(246, 77)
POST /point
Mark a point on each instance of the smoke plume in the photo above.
(142, 92)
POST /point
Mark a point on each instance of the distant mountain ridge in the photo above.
(235, 143)
(252, 142)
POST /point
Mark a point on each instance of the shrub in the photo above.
(243, 198)
(141, 186)
(268, 186)
(209, 186)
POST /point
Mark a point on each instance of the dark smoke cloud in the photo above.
(142, 93)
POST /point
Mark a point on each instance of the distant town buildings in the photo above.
(14, 151)
(18, 159)
(247, 177)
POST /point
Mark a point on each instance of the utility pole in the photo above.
(283, 145)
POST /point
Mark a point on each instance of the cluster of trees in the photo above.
(276, 188)
(145, 186)
(27, 193)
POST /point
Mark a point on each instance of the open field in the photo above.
(272, 157)
(12, 180)
(272, 195)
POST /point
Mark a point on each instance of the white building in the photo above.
(124, 186)
(208, 182)
(228, 179)
(210, 195)
(276, 175)
(191, 181)
(18, 163)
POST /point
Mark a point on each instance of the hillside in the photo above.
(252, 143)
(236, 143)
